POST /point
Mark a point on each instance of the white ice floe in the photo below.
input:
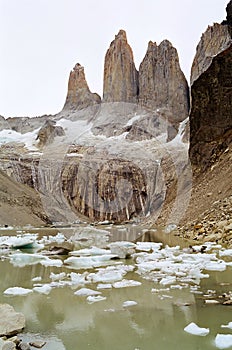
(90, 251)
(104, 286)
(225, 252)
(223, 341)
(57, 276)
(126, 283)
(211, 301)
(23, 259)
(194, 329)
(52, 262)
(105, 276)
(93, 299)
(229, 325)
(89, 262)
(168, 280)
(86, 292)
(148, 246)
(129, 303)
(37, 279)
(78, 278)
(17, 291)
(26, 241)
(122, 249)
(219, 265)
(44, 289)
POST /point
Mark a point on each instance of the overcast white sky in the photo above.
(42, 40)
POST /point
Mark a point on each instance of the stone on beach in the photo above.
(11, 322)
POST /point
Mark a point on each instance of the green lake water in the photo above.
(67, 321)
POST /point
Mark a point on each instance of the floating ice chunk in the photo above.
(21, 242)
(106, 276)
(37, 279)
(79, 278)
(123, 249)
(86, 292)
(17, 291)
(129, 303)
(147, 246)
(45, 289)
(104, 286)
(23, 259)
(93, 299)
(59, 238)
(229, 325)
(90, 251)
(168, 280)
(194, 329)
(126, 283)
(223, 341)
(219, 265)
(51, 262)
(57, 276)
(211, 301)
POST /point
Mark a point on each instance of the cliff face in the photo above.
(120, 74)
(211, 89)
(79, 96)
(162, 84)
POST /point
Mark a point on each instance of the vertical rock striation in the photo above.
(211, 94)
(120, 74)
(162, 84)
(79, 96)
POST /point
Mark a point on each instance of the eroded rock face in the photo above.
(113, 189)
(79, 95)
(211, 110)
(48, 132)
(120, 74)
(11, 322)
(162, 84)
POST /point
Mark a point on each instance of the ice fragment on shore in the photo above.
(194, 329)
(17, 291)
(223, 341)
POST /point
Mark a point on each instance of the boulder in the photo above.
(120, 74)
(11, 322)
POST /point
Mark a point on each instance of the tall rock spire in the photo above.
(162, 84)
(79, 96)
(120, 74)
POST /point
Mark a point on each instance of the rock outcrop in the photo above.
(211, 90)
(162, 84)
(48, 132)
(79, 95)
(120, 74)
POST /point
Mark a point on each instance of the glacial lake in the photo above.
(155, 321)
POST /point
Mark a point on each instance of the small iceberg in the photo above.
(194, 329)
(223, 341)
(17, 291)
